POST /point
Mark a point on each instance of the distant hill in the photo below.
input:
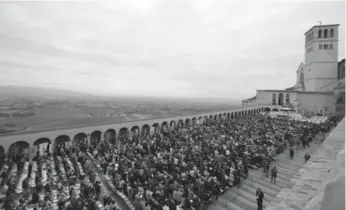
(39, 93)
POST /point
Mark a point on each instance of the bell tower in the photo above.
(321, 56)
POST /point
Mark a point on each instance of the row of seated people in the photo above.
(185, 168)
(53, 180)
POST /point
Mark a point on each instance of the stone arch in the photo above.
(194, 120)
(42, 140)
(95, 137)
(145, 130)
(275, 110)
(205, 119)
(325, 33)
(123, 133)
(156, 127)
(215, 118)
(210, 118)
(111, 136)
(220, 118)
(281, 99)
(172, 124)
(228, 116)
(187, 123)
(2, 156)
(80, 139)
(273, 99)
(180, 123)
(164, 127)
(62, 139)
(320, 33)
(200, 120)
(135, 131)
(331, 33)
(235, 115)
(232, 115)
(18, 149)
(267, 109)
(288, 100)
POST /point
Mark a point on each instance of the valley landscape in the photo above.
(31, 109)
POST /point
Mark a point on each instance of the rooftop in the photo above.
(320, 26)
(295, 91)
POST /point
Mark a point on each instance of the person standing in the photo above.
(306, 157)
(259, 197)
(291, 153)
(274, 173)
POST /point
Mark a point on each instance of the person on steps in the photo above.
(291, 153)
(306, 157)
(274, 173)
(259, 196)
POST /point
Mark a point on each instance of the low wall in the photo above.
(320, 184)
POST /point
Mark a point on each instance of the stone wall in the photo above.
(320, 184)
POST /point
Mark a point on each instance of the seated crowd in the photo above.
(182, 168)
(55, 179)
(187, 167)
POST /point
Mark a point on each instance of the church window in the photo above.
(331, 46)
(320, 33)
(325, 33)
(325, 46)
(320, 46)
(331, 34)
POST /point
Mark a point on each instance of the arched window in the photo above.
(325, 33)
(331, 33)
(274, 99)
(281, 99)
(320, 33)
(287, 99)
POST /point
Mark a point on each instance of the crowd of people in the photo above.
(188, 167)
(180, 168)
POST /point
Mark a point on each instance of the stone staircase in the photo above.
(244, 197)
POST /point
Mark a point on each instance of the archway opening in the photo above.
(172, 125)
(62, 140)
(267, 109)
(80, 140)
(156, 128)
(281, 99)
(187, 123)
(95, 137)
(123, 134)
(200, 121)
(274, 99)
(2, 156)
(164, 128)
(111, 136)
(180, 124)
(275, 110)
(17, 151)
(135, 133)
(194, 120)
(145, 130)
(43, 145)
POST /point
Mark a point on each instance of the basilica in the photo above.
(320, 80)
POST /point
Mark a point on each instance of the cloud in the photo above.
(159, 48)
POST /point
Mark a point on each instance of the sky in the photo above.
(204, 48)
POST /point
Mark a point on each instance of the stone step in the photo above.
(240, 201)
(266, 183)
(227, 204)
(264, 188)
(243, 193)
(252, 191)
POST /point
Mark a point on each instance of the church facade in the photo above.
(320, 80)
